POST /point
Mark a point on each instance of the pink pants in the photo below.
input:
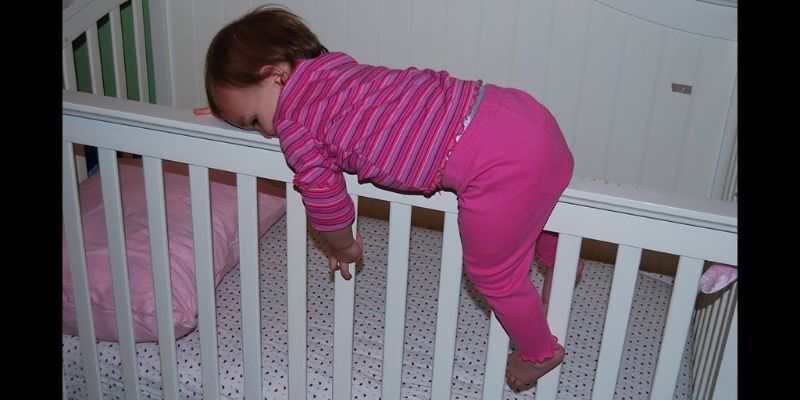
(546, 248)
(509, 170)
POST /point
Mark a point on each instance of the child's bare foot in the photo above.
(523, 374)
(548, 281)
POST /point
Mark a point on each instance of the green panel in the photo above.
(106, 57)
(128, 41)
(82, 76)
(81, 58)
(148, 41)
(129, 54)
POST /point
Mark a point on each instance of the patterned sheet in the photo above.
(582, 343)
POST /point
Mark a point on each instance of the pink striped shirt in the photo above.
(390, 127)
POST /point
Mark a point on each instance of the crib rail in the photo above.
(634, 218)
(82, 50)
(80, 20)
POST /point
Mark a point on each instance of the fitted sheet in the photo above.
(650, 303)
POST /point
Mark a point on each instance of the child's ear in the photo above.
(277, 72)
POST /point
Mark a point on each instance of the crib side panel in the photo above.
(103, 52)
(573, 221)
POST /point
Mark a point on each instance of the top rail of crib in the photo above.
(669, 206)
(160, 118)
(589, 192)
(79, 15)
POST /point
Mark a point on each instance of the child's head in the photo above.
(245, 52)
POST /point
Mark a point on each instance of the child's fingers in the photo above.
(360, 243)
(344, 268)
(202, 111)
(359, 240)
(334, 265)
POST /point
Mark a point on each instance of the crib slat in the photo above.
(719, 331)
(296, 280)
(118, 57)
(623, 286)
(73, 229)
(80, 162)
(95, 67)
(684, 293)
(494, 379)
(447, 311)
(699, 316)
(726, 384)
(141, 58)
(71, 83)
(68, 68)
(344, 303)
(704, 358)
(567, 255)
(162, 283)
(701, 329)
(112, 205)
(204, 267)
(396, 288)
(706, 342)
(248, 268)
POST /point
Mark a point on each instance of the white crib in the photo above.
(635, 218)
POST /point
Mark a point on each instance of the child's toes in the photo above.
(579, 274)
(512, 381)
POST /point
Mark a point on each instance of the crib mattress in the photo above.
(645, 326)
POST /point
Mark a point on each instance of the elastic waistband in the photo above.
(463, 152)
(475, 105)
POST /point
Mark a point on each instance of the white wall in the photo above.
(604, 68)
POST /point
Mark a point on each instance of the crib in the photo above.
(408, 325)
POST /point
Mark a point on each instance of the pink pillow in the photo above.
(718, 277)
(225, 239)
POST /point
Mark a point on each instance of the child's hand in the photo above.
(202, 111)
(341, 258)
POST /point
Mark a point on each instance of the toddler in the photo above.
(410, 130)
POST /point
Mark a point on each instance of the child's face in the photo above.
(251, 108)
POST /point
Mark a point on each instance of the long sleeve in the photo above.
(319, 179)
(390, 127)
